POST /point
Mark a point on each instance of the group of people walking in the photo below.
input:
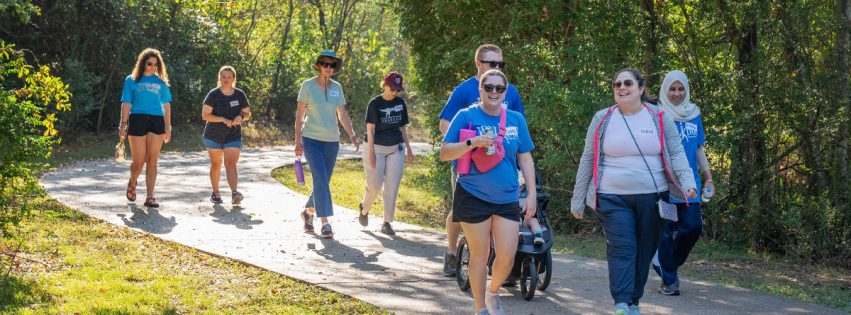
(640, 154)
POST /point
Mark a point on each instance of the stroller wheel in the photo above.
(528, 278)
(545, 266)
(462, 265)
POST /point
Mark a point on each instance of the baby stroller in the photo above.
(532, 263)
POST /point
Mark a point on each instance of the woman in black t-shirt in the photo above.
(386, 149)
(225, 109)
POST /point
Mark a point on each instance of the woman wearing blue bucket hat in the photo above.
(320, 105)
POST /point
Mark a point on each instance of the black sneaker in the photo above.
(387, 229)
(236, 198)
(672, 289)
(216, 198)
(449, 261)
(327, 232)
(362, 218)
(509, 283)
(308, 221)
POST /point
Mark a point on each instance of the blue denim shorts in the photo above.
(210, 144)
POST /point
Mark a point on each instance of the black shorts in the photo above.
(139, 125)
(470, 209)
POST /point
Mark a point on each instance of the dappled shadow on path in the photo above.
(151, 221)
(234, 217)
(341, 253)
(408, 248)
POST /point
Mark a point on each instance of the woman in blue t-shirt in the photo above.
(146, 119)
(225, 109)
(321, 104)
(674, 97)
(486, 201)
(385, 151)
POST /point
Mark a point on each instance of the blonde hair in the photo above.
(487, 48)
(143, 57)
(223, 69)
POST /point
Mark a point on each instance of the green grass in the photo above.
(69, 263)
(709, 261)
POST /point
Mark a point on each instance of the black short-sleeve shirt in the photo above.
(227, 106)
(387, 116)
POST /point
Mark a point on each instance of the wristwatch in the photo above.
(469, 143)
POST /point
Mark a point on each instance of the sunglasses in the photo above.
(155, 64)
(494, 64)
(332, 65)
(625, 83)
(490, 87)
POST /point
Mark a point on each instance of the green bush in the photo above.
(30, 97)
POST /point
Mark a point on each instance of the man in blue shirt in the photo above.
(488, 56)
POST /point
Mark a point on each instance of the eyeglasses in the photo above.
(332, 65)
(155, 64)
(490, 87)
(494, 64)
(626, 84)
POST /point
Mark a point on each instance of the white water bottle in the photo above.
(707, 194)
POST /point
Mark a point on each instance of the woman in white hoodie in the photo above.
(672, 253)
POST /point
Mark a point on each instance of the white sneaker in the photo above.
(494, 305)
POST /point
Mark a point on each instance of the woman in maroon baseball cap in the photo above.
(386, 147)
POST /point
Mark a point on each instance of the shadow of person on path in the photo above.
(341, 253)
(234, 217)
(409, 248)
(151, 221)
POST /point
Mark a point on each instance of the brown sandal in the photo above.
(151, 202)
(131, 191)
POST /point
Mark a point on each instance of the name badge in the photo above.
(234, 103)
(648, 131)
(334, 93)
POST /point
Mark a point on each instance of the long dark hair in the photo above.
(140, 65)
(645, 96)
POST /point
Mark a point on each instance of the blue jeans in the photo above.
(678, 238)
(321, 157)
(632, 226)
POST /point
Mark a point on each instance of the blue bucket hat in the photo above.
(329, 54)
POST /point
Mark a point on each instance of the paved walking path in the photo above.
(401, 274)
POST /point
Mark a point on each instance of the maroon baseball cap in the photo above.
(393, 80)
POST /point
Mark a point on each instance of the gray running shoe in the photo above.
(216, 198)
(494, 304)
(671, 289)
(633, 310)
(308, 221)
(621, 309)
(449, 261)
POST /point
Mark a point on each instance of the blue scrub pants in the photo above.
(678, 238)
(321, 157)
(633, 227)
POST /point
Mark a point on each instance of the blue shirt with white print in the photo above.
(499, 185)
(692, 136)
(467, 94)
(146, 96)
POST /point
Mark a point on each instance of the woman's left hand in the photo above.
(410, 157)
(692, 193)
(355, 142)
(167, 136)
(531, 207)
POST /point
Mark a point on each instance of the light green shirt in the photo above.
(320, 116)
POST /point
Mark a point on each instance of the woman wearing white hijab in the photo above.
(672, 253)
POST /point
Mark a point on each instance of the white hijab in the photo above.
(686, 110)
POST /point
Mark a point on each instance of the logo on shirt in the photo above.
(389, 116)
(234, 103)
(150, 87)
(334, 93)
(647, 131)
(688, 131)
(511, 132)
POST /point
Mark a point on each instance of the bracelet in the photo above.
(168, 128)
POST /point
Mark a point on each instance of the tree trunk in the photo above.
(651, 40)
(273, 90)
(844, 8)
